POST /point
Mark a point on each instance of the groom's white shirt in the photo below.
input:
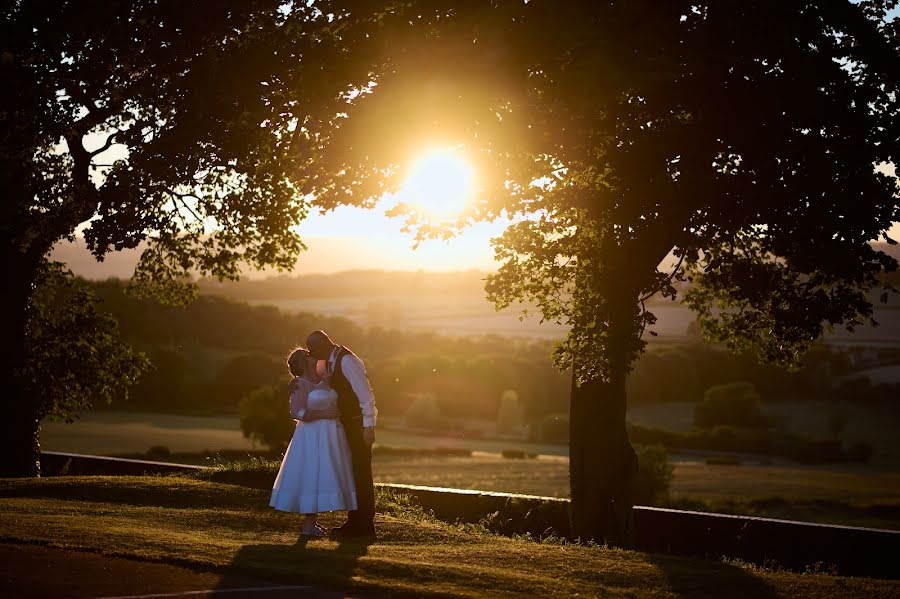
(355, 372)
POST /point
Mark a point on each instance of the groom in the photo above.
(356, 404)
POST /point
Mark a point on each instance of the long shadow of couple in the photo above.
(328, 566)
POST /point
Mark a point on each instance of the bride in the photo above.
(316, 474)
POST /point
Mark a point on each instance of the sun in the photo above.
(440, 184)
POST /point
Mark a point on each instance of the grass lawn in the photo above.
(215, 526)
(809, 492)
(813, 494)
(549, 475)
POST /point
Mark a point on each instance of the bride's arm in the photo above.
(299, 399)
(321, 414)
(299, 396)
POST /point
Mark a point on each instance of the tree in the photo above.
(263, 416)
(732, 404)
(76, 356)
(424, 412)
(191, 127)
(246, 372)
(741, 138)
(511, 415)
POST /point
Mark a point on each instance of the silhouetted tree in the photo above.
(76, 357)
(732, 404)
(213, 115)
(265, 417)
(742, 138)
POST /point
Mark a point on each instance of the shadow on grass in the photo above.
(694, 578)
(319, 563)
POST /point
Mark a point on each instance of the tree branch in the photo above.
(107, 145)
(669, 280)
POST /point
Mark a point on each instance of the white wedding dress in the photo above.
(316, 474)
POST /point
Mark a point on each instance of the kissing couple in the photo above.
(328, 464)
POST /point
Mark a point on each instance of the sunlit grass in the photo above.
(208, 525)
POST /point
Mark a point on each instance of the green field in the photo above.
(876, 424)
(853, 486)
(228, 528)
(471, 313)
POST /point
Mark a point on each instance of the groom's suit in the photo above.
(357, 406)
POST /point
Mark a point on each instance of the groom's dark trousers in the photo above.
(360, 452)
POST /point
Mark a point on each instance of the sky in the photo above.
(348, 238)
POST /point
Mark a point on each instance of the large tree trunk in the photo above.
(20, 437)
(20, 421)
(602, 462)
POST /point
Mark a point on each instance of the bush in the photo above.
(424, 412)
(244, 373)
(654, 474)
(512, 413)
(734, 404)
(265, 418)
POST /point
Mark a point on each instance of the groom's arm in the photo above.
(313, 414)
(355, 372)
(298, 405)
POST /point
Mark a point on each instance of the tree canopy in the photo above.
(194, 128)
(743, 138)
(213, 113)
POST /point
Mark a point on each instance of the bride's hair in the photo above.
(297, 361)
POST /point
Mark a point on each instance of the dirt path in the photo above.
(31, 571)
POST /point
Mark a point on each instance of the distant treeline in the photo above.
(380, 283)
(359, 283)
(211, 353)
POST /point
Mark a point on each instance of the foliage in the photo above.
(644, 146)
(190, 346)
(651, 486)
(75, 357)
(192, 132)
(733, 404)
(265, 418)
(424, 412)
(759, 441)
(510, 418)
(212, 117)
(243, 373)
(861, 389)
(740, 138)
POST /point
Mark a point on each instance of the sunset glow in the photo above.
(440, 184)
